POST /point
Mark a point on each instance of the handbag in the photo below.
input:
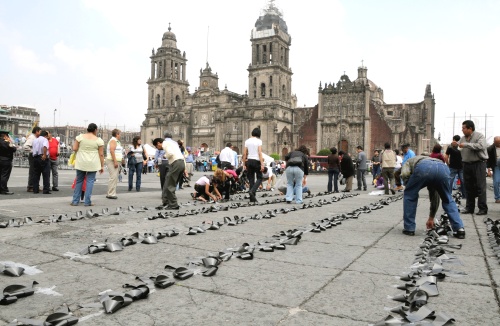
(72, 159)
(295, 161)
(131, 158)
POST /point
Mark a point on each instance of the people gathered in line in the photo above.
(467, 159)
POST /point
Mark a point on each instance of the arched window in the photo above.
(158, 100)
(254, 94)
(263, 90)
(177, 100)
(152, 98)
(255, 81)
(283, 91)
(270, 80)
(270, 92)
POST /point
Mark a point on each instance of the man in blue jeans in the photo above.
(456, 166)
(422, 171)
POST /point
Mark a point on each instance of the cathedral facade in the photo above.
(348, 114)
(211, 117)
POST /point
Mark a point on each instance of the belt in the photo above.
(473, 162)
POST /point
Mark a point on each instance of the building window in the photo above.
(391, 113)
(254, 94)
(270, 92)
(255, 81)
(270, 80)
(158, 100)
(263, 90)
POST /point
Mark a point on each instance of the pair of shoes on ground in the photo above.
(459, 234)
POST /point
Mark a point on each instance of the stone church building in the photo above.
(348, 114)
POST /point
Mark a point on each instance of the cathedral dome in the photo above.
(271, 17)
(169, 40)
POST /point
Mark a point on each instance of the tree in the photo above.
(324, 152)
(275, 156)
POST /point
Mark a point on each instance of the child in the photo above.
(84, 187)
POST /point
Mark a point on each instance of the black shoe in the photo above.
(466, 211)
(393, 191)
(288, 202)
(171, 207)
(6, 193)
(36, 192)
(46, 192)
(482, 212)
(55, 189)
(460, 234)
(346, 190)
(406, 232)
(29, 189)
(364, 189)
(358, 189)
(111, 197)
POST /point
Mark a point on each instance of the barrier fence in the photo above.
(21, 159)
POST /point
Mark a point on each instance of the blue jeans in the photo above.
(435, 175)
(333, 174)
(131, 169)
(460, 174)
(294, 176)
(496, 182)
(376, 170)
(80, 175)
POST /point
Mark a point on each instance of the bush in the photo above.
(275, 156)
(324, 152)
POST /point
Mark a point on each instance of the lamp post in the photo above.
(55, 117)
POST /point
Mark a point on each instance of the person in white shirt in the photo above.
(226, 157)
(175, 172)
(270, 177)
(41, 163)
(28, 146)
(253, 162)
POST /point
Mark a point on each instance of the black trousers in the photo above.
(475, 185)
(226, 165)
(31, 171)
(163, 172)
(253, 173)
(42, 167)
(5, 170)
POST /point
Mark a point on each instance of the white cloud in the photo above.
(28, 60)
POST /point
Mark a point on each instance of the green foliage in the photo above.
(324, 152)
(275, 156)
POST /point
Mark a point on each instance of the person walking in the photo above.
(376, 164)
(28, 147)
(136, 161)
(474, 156)
(189, 165)
(89, 159)
(362, 166)
(7, 150)
(407, 154)
(177, 168)
(333, 170)
(114, 157)
(161, 160)
(388, 166)
(347, 169)
(41, 163)
(455, 165)
(297, 169)
(494, 166)
(253, 162)
(54, 164)
(422, 171)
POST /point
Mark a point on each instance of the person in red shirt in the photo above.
(53, 156)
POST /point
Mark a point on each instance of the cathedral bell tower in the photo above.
(270, 83)
(269, 73)
(167, 91)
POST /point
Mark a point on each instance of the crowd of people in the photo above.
(467, 159)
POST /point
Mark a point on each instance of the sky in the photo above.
(89, 59)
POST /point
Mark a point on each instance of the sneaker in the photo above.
(459, 234)
(406, 232)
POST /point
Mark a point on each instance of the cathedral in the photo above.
(348, 114)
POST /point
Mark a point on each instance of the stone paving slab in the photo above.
(346, 296)
(303, 317)
(24, 256)
(384, 261)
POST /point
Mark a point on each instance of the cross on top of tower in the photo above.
(169, 28)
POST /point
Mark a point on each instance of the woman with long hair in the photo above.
(136, 160)
(89, 159)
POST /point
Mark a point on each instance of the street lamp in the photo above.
(55, 117)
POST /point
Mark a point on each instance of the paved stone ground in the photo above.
(342, 276)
